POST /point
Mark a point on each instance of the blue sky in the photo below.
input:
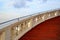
(16, 8)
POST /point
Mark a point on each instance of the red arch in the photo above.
(48, 30)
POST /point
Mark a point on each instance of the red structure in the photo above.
(48, 30)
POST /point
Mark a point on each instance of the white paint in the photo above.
(49, 15)
(29, 24)
(43, 17)
(36, 19)
(55, 13)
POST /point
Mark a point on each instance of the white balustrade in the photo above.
(19, 28)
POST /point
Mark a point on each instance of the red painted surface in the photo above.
(48, 30)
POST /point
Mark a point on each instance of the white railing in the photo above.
(16, 28)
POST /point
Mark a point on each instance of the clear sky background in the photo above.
(10, 9)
